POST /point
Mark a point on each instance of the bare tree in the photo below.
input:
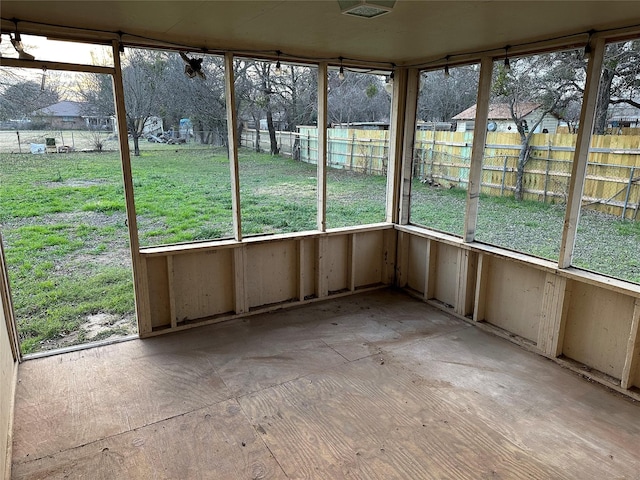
(441, 98)
(619, 80)
(144, 78)
(360, 97)
(547, 81)
(20, 97)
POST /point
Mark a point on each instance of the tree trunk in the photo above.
(523, 158)
(604, 97)
(272, 132)
(136, 147)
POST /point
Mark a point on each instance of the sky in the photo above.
(59, 51)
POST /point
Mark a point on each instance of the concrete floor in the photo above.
(376, 385)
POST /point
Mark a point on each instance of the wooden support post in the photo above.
(389, 256)
(322, 146)
(140, 280)
(301, 272)
(552, 318)
(430, 269)
(626, 198)
(482, 277)
(466, 271)
(398, 204)
(239, 277)
(581, 155)
(171, 292)
(477, 150)
(351, 266)
(632, 358)
(402, 256)
(322, 280)
(232, 129)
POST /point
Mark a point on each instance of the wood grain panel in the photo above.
(308, 267)
(597, 328)
(159, 305)
(337, 262)
(416, 262)
(221, 444)
(368, 253)
(271, 273)
(513, 298)
(203, 284)
(446, 274)
(87, 395)
(372, 419)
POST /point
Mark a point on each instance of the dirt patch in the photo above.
(75, 183)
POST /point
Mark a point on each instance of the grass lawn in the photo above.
(66, 240)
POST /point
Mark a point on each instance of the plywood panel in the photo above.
(158, 291)
(219, 439)
(337, 258)
(597, 327)
(7, 383)
(513, 299)
(446, 274)
(272, 272)
(368, 253)
(203, 284)
(417, 262)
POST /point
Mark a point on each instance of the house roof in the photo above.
(499, 111)
(66, 108)
(412, 33)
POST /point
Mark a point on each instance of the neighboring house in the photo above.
(499, 119)
(623, 115)
(69, 115)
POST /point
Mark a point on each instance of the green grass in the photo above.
(64, 224)
(605, 244)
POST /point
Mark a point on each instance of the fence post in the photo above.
(546, 179)
(626, 198)
(353, 142)
(504, 174)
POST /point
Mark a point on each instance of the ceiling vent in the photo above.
(366, 8)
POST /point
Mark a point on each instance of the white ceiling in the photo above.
(413, 32)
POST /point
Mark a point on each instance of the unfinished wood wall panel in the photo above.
(337, 262)
(8, 370)
(597, 327)
(513, 298)
(272, 273)
(203, 284)
(159, 305)
(446, 274)
(368, 258)
(417, 257)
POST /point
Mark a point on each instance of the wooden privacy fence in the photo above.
(364, 151)
(612, 184)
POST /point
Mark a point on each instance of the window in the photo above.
(359, 107)
(608, 230)
(277, 104)
(442, 148)
(525, 172)
(178, 138)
